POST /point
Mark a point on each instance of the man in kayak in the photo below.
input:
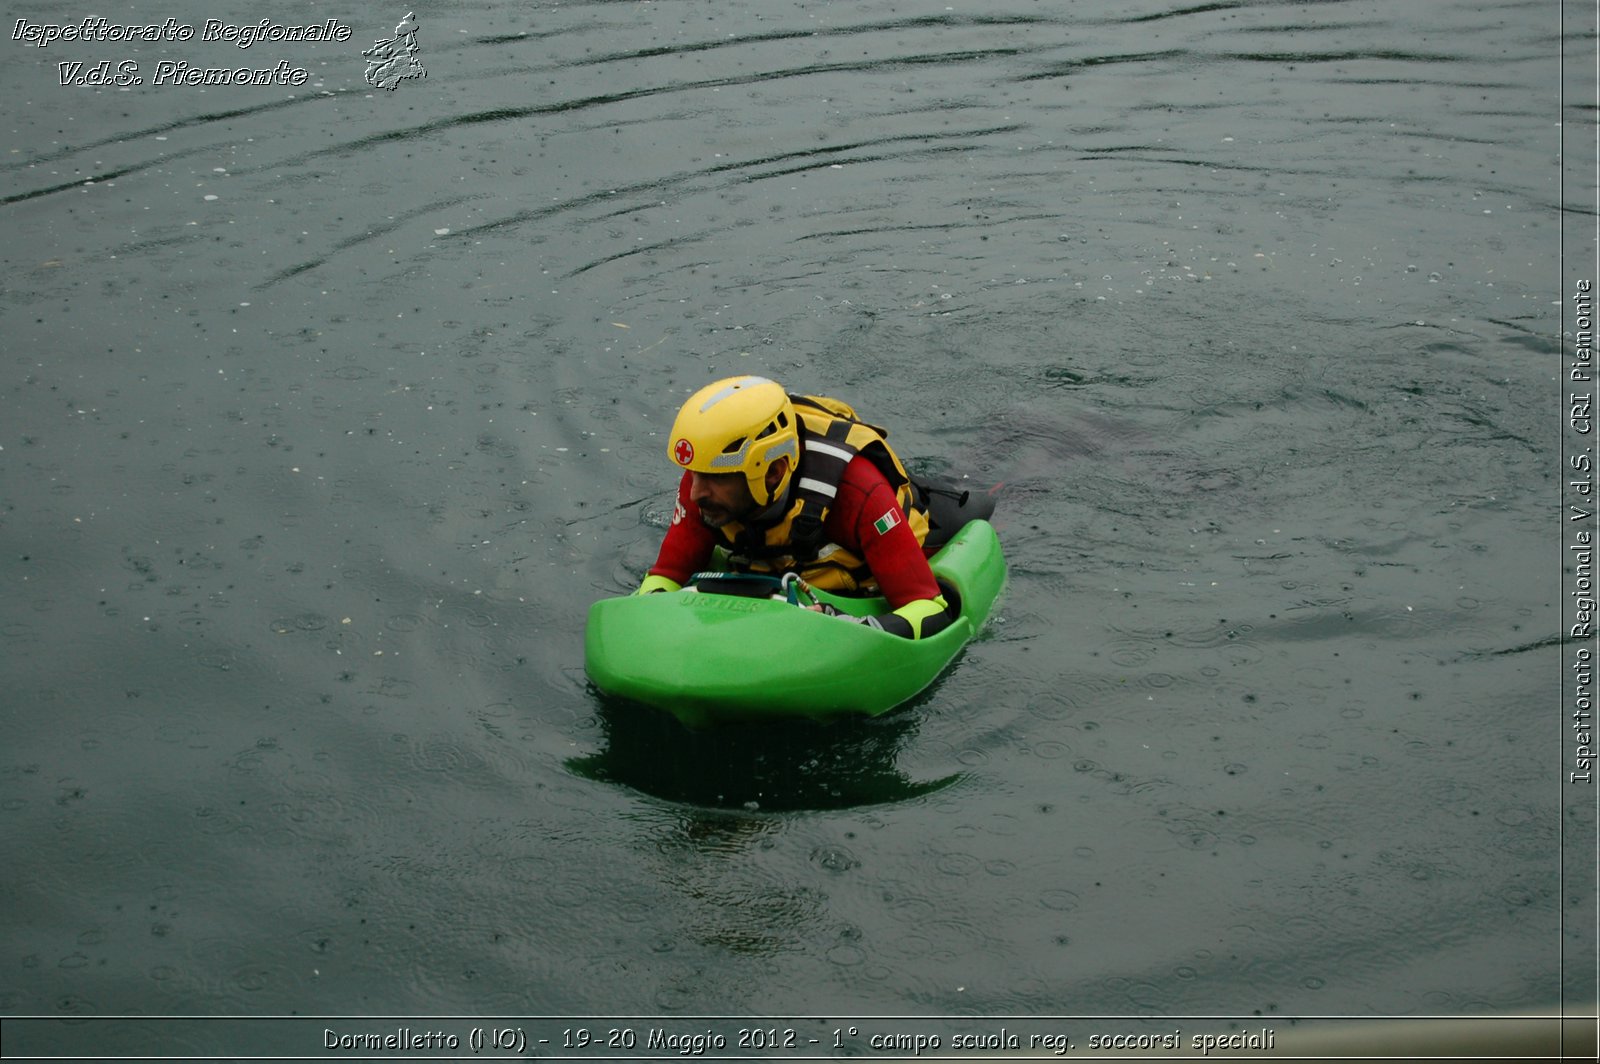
(797, 484)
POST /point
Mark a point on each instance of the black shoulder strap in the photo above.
(823, 459)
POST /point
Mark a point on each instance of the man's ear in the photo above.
(776, 472)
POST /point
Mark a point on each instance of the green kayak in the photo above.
(708, 657)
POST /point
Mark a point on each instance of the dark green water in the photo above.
(327, 411)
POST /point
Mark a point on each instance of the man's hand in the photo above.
(914, 620)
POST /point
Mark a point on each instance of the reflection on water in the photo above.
(777, 766)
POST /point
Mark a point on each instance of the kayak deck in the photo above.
(710, 658)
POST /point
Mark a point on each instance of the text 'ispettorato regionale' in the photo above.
(102, 30)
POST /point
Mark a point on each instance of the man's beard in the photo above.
(714, 516)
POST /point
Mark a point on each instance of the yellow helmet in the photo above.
(738, 425)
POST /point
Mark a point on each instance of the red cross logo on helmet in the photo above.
(683, 451)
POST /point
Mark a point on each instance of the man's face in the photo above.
(721, 497)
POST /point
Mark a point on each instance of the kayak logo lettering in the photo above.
(887, 521)
(683, 451)
(725, 603)
(391, 61)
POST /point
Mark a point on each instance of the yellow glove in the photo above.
(914, 620)
(918, 613)
(653, 584)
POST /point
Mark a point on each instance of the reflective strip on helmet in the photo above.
(732, 460)
(732, 386)
(786, 449)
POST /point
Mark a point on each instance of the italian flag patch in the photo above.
(887, 521)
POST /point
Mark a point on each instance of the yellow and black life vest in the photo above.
(830, 436)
